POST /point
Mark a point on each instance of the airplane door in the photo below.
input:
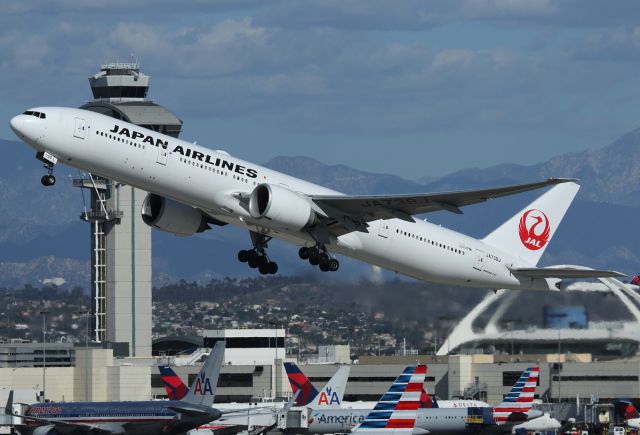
(477, 264)
(81, 128)
(162, 156)
(383, 229)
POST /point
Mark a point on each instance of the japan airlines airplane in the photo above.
(129, 418)
(192, 187)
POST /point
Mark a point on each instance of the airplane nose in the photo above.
(16, 124)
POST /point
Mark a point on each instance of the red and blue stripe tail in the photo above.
(396, 411)
(299, 382)
(173, 385)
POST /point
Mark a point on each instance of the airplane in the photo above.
(515, 408)
(192, 187)
(129, 418)
(299, 381)
(330, 396)
(396, 411)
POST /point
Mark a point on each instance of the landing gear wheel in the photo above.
(48, 180)
(254, 261)
(272, 267)
(324, 266)
(303, 253)
(334, 265)
(243, 256)
(262, 261)
(314, 258)
(264, 268)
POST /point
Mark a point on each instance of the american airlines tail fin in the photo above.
(173, 385)
(331, 395)
(299, 382)
(396, 411)
(527, 234)
(203, 388)
(518, 401)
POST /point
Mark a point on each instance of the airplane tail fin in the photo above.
(396, 411)
(203, 388)
(173, 385)
(625, 409)
(330, 396)
(299, 382)
(426, 401)
(527, 233)
(518, 401)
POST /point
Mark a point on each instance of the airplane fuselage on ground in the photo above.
(219, 184)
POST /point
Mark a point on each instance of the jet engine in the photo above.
(45, 430)
(284, 207)
(172, 216)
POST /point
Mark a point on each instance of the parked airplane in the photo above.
(330, 396)
(192, 187)
(515, 408)
(130, 418)
(299, 381)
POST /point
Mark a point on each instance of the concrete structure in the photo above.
(15, 355)
(120, 240)
(102, 381)
(604, 339)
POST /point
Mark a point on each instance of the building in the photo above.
(120, 240)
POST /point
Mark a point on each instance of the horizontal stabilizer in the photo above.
(564, 273)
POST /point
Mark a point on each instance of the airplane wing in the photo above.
(564, 273)
(353, 212)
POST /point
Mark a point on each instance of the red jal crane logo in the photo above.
(534, 229)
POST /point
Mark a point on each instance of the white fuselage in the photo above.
(214, 182)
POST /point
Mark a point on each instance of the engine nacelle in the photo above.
(45, 430)
(172, 216)
(284, 207)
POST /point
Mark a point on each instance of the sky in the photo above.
(413, 88)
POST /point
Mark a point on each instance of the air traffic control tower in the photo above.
(120, 240)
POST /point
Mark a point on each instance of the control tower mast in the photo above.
(120, 240)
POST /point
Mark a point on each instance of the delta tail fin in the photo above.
(528, 233)
(203, 388)
(396, 411)
(299, 382)
(173, 385)
(517, 403)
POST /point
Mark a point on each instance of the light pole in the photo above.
(44, 356)
(85, 314)
(559, 369)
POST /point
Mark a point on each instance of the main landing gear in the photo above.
(49, 162)
(257, 257)
(318, 256)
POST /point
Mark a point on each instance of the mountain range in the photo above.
(41, 236)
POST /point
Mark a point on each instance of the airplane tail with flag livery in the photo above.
(518, 402)
(528, 233)
(396, 411)
(330, 396)
(203, 388)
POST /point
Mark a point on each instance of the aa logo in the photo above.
(328, 397)
(203, 386)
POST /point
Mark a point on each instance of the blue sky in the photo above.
(414, 88)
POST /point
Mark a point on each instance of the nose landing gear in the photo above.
(49, 162)
(318, 256)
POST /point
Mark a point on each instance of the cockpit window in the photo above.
(36, 114)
